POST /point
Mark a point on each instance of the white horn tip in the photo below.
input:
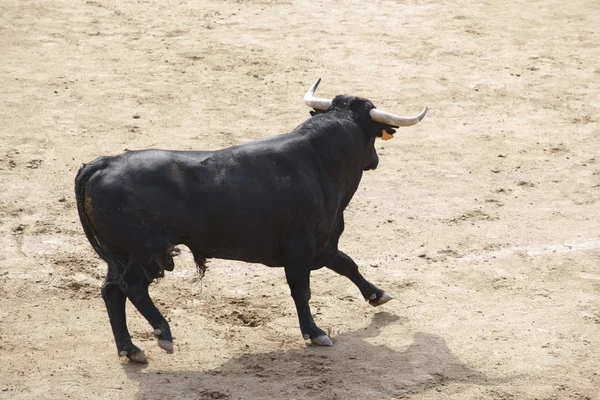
(311, 91)
(422, 114)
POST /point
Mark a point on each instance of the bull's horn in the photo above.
(316, 102)
(396, 120)
(321, 104)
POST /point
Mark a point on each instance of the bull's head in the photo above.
(376, 123)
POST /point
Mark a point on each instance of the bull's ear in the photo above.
(316, 112)
(390, 129)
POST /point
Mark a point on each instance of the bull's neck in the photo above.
(339, 149)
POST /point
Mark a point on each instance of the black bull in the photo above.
(278, 201)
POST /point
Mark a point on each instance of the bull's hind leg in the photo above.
(114, 299)
(135, 283)
(344, 265)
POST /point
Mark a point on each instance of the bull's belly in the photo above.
(233, 248)
(257, 247)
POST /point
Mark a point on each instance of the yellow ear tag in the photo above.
(386, 136)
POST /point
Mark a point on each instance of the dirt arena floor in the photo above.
(483, 221)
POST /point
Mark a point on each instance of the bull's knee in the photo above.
(109, 286)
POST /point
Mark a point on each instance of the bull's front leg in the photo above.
(299, 282)
(344, 265)
(299, 259)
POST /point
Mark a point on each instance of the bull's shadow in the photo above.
(354, 368)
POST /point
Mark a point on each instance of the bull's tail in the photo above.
(81, 181)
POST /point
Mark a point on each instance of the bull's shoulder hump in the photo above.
(272, 145)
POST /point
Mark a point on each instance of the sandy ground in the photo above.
(482, 221)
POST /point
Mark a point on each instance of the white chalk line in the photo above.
(530, 251)
(539, 250)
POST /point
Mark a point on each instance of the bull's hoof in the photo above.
(376, 300)
(135, 355)
(166, 345)
(321, 341)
